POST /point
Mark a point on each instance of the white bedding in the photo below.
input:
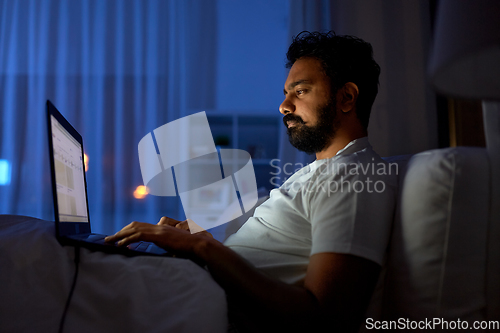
(113, 293)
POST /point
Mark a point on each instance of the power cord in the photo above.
(68, 301)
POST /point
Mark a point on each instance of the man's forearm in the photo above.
(259, 293)
(336, 291)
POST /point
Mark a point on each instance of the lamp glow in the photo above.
(4, 172)
(86, 162)
(140, 192)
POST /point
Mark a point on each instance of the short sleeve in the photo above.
(352, 208)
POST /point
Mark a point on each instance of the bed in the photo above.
(113, 293)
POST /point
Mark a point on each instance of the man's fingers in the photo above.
(129, 240)
(174, 223)
(168, 221)
(125, 232)
(119, 235)
(134, 224)
(182, 225)
(138, 231)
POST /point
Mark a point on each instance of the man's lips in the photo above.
(292, 121)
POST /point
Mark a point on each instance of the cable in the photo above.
(77, 261)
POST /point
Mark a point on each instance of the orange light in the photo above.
(140, 192)
(86, 162)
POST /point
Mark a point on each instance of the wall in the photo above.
(252, 42)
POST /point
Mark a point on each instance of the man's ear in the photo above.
(348, 96)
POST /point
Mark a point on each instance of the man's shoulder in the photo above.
(359, 171)
(365, 158)
(357, 160)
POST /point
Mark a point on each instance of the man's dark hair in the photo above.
(344, 59)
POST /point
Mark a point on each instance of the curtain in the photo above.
(403, 118)
(116, 69)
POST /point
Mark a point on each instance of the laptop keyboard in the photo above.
(99, 239)
(139, 246)
(95, 238)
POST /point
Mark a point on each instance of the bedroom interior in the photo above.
(119, 69)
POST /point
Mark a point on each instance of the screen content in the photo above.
(69, 169)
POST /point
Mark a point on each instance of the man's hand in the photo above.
(174, 223)
(184, 225)
(169, 234)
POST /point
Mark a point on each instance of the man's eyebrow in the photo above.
(294, 84)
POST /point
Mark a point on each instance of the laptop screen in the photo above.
(69, 171)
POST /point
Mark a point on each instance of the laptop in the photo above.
(69, 188)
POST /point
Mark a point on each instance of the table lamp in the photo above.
(465, 63)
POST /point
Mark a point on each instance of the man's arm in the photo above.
(335, 293)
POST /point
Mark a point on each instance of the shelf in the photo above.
(255, 132)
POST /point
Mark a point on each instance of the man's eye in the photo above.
(300, 91)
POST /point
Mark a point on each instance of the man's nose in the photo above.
(286, 107)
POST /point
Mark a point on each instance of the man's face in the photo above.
(309, 107)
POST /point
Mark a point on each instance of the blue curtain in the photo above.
(116, 70)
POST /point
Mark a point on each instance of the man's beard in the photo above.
(313, 139)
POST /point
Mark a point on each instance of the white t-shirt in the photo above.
(344, 204)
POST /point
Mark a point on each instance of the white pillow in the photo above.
(437, 254)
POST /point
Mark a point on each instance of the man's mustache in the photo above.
(292, 117)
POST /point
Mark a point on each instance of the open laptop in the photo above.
(69, 188)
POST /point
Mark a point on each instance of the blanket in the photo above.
(113, 293)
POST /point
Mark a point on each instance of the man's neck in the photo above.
(339, 142)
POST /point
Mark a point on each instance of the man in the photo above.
(310, 256)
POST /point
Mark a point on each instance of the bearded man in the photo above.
(311, 255)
